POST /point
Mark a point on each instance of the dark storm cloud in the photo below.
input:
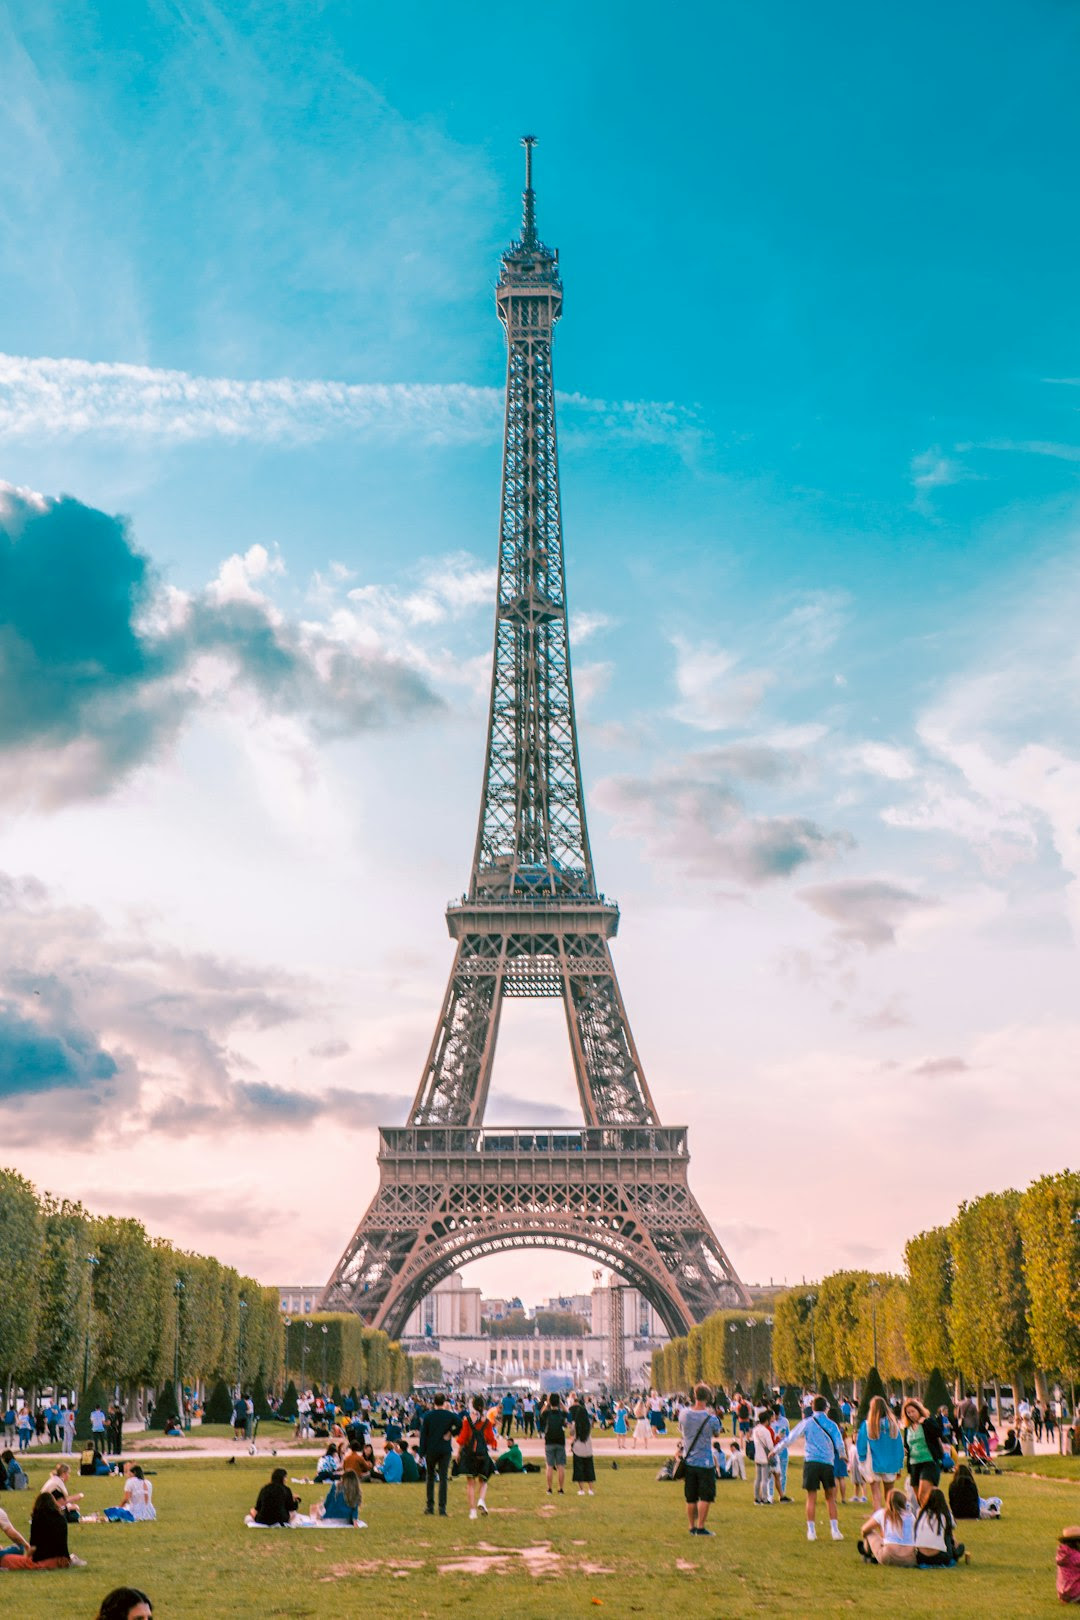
(865, 911)
(39, 1056)
(93, 684)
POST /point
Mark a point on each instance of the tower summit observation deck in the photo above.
(532, 923)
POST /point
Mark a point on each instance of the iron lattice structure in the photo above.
(532, 923)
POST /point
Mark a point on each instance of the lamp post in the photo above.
(734, 1328)
(92, 1261)
(768, 1322)
(303, 1357)
(752, 1324)
(242, 1307)
(178, 1291)
(812, 1301)
(325, 1331)
(873, 1291)
(287, 1324)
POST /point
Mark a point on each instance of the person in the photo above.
(509, 1406)
(436, 1430)
(476, 1441)
(1068, 1564)
(553, 1429)
(880, 1449)
(125, 1603)
(329, 1466)
(239, 1418)
(528, 1415)
(9, 1530)
(823, 1445)
(858, 1475)
(25, 1426)
(642, 1426)
(97, 1429)
(511, 1461)
(49, 1534)
(58, 1485)
(840, 1467)
(934, 1542)
(889, 1533)
(620, 1425)
(923, 1448)
(67, 1431)
(584, 1467)
(781, 1428)
(963, 1494)
(393, 1469)
(736, 1461)
(137, 1503)
(275, 1504)
(342, 1502)
(14, 1475)
(115, 1430)
(763, 1441)
(699, 1426)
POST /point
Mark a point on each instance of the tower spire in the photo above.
(528, 197)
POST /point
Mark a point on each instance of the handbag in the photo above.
(582, 1448)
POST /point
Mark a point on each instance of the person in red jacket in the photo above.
(476, 1441)
(1068, 1564)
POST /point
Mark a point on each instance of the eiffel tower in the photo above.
(533, 923)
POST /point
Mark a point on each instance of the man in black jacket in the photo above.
(436, 1428)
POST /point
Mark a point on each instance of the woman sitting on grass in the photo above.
(136, 1504)
(48, 1540)
(275, 1504)
(342, 1504)
(934, 1543)
(329, 1465)
(889, 1533)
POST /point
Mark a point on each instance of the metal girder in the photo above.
(532, 924)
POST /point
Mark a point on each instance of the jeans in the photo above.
(440, 1466)
(761, 1481)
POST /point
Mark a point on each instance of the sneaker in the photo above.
(549, 1490)
(694, 1531)
(442, 1513)
(472, 1513)
(837, 1534)
(703, 1532)
(561, 1491)
(786, 1499)
(483, 1508)
(429, 1510)
(811, 1532)
(77, 1563)
(580, 1491)
(591, 1491)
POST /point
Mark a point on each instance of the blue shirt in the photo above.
(824, 1442)
(392, 1468)
(698, 1429)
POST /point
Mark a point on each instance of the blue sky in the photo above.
(820, 372)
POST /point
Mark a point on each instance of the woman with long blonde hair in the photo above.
(880, 1449)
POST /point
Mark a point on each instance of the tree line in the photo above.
(93, 1301)
(993, 1296)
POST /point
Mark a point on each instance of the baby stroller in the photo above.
(979, 1459)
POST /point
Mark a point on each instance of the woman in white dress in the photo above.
(642, 1426)
(137, 1502)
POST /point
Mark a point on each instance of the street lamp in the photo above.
(734, 1328)
(92, 1261)
(768, 1322)
(752, 1324)
(872, 1287)
(240, 1349)
(178, 1291)
(303, 1357)
(325, 1331)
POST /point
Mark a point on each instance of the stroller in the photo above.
(979, 1459)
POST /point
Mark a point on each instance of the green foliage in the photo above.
(64, 1285)
(258, 1398)
(938, 1393)
(1049, 1217)
(792, 1343)
(289, 1407)
(219, 1408)
(988, 1322)
(91, 1398)
(872, 1386)
(165, 1407)
(929, 1262)
(825, 1388)
(759, 1393)
(20, 1296)
(792, 1406)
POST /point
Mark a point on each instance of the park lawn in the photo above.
(626, 1550)
(1048, 1467)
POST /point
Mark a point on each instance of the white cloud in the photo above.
(51, 398)
(715, 693)
(885, 760)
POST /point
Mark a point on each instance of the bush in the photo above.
(258, 1398)
(289, 1407)
(873, 1386)
(825, 1388)
(792, 1403)
(938, 1394)
(165, 1407)
(94, 1396)
(219, 1408)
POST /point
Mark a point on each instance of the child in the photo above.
(763, 1442)
(1068, 1564)
(858, 1481)
(934, 1543)
(840, 1467)
(889, 1533)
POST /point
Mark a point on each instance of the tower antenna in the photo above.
(528, 198)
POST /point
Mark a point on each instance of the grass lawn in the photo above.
(626, 1550)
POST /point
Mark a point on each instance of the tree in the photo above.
(825, 1388)
(793, 1346)
(219, 1408)
(937, 1392)
(988, 1321)
(166, 1411)
(20, 1296)
(89, 1400)
(929, 1263)
(258, 1398)
(289, 1407)
(1049, 1217)
(125, 1326)
(872, 1386)
(64, 1285)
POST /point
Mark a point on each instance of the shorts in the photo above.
(888, 1480)
(917, 1472)
(699, 1484)
(818, 1476)
(556, 1456)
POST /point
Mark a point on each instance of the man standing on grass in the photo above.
(824, 1444)
(436, 1428)
(699, 1424)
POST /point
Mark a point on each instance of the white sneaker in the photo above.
(836, 1532)
(580, 1491)
(482, 1506)
(472, 1513)
(811, 1532)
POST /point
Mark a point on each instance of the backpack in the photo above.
(476, 1445)
(751, 1451)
